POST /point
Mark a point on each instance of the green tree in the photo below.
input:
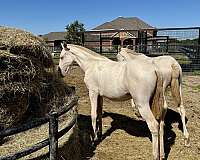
(74, 34)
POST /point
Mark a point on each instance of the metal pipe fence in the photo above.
(54, 135)
(181, 43)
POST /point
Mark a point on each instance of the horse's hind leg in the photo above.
(181, 110)
(153, 126)
(162, 123)
(135, 109)
(99, 116)
(177, 94)
(93, 100)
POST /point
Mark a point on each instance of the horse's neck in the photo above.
(129, 55)
(84, 60)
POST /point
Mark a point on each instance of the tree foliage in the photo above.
(189, 41)
(73, 34)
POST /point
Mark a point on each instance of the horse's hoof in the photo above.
(187, 142)
(162, 157)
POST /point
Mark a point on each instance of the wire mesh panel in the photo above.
(181, 43)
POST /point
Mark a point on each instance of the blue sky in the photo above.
(43, 16)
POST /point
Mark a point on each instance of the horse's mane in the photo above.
(130, 51)
(86, 50)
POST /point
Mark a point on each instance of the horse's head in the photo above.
(66, 59)
(120, 56)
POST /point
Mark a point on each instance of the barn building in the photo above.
(125, 31)
(54, 39)
(120, 31)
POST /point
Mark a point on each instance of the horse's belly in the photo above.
(121, 98)
(115, 93)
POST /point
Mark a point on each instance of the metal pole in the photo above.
(145, 49)
(167, 45)
(139, 41)
(53, 132)
(198, 49)
(100, 43)
(199, 37)
(83, 38)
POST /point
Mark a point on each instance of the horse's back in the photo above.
(165, 60)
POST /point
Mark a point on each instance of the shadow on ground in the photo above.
(69, 150)
(131, 126)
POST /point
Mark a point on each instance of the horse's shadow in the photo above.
(131, 126)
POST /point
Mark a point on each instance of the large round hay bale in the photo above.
(12, 109)
(15, 86)
(25, 43)
(28, 84)
(51, 96)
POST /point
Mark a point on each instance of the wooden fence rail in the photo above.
(54, 135)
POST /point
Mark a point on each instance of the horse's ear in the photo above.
(64, 45)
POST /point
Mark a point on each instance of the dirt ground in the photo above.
(125, 137)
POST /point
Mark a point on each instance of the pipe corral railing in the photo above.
(54, 135)
(181, 43)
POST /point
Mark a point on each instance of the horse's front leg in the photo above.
(93, 100)
(136, 110)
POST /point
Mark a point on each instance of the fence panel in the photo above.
(54, 135)
(181, 43)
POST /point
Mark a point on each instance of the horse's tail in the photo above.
(175, 83)
(157, 104)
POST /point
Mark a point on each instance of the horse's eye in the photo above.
(61, 57)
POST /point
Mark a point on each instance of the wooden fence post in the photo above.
(53, 132)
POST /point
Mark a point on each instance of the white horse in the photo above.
(172, 76)
(136, 79)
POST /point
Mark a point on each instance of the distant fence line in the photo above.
(54, 135)
(181, 43)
